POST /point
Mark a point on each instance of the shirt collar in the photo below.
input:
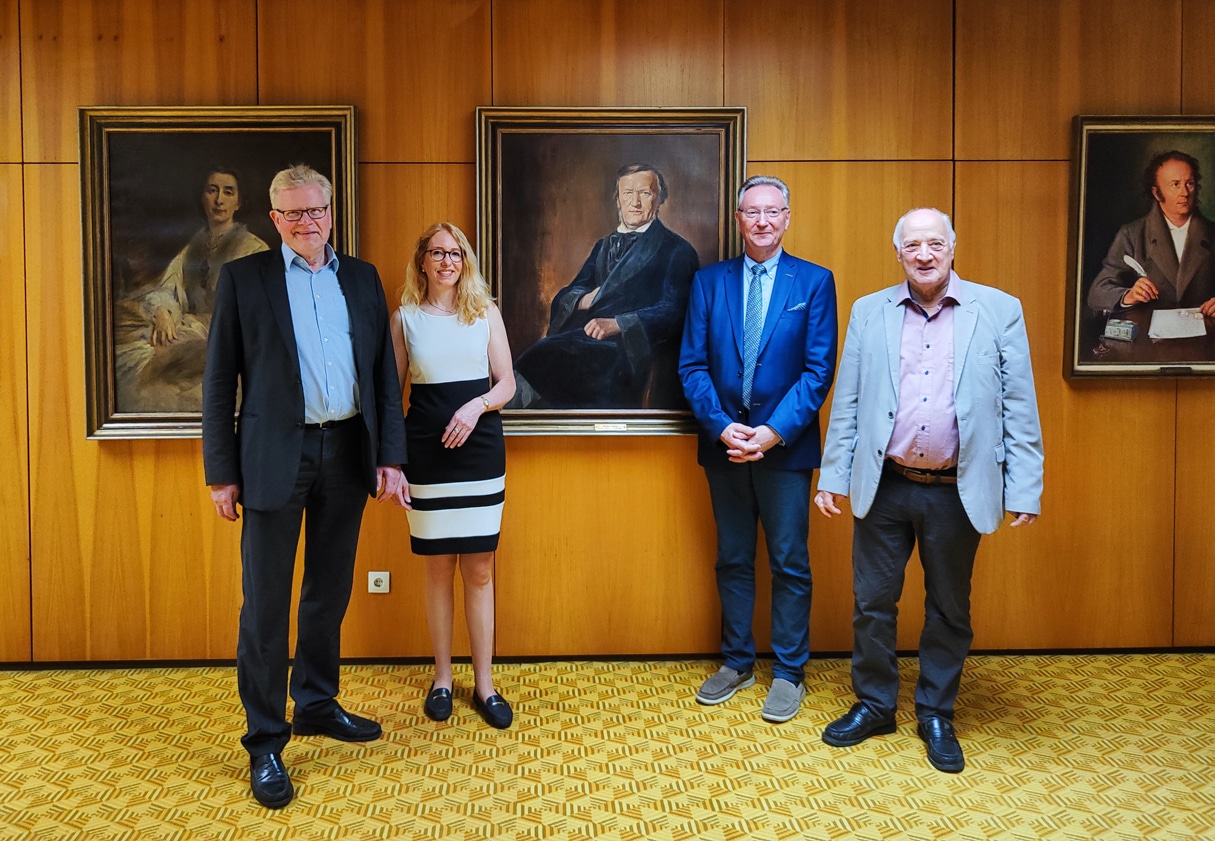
(1185, 226)
(769, 265)
(952, 297)
(290, 259)
(621, 229)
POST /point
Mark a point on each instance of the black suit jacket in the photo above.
(252, 343)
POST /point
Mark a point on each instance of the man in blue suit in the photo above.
(934, 433)
(757, 360)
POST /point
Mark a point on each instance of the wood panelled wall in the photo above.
(110, 551)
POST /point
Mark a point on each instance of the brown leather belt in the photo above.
(948, 476)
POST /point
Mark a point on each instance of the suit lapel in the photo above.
(275, 281)
(1197, 253)
(1160, 249)
(965, 319)
(892, 320)
(635, 260)
(786, 271)
(734, 300)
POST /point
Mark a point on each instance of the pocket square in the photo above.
(797, 307)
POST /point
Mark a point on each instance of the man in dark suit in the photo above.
(758, 358)
(619, 316)
(1165, 257)
(303, 333)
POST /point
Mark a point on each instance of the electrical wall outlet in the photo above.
(378, 582)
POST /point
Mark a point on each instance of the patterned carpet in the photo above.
(1067, 747)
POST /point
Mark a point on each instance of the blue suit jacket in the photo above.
(1000, 440)
(793, 371)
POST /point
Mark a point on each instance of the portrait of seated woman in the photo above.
(161, 328)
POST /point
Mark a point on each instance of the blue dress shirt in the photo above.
(322, 337)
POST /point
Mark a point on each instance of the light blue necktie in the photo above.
(753, 326)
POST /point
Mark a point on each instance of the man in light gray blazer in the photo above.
(933, 435)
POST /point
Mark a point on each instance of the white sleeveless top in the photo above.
(442, 349)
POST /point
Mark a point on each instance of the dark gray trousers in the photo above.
(906, 514)
(329, 498)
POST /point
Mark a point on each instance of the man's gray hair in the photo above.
(763, 181)
(299, 175)
(898, 226)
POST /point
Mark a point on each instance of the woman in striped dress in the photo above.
(451, 345)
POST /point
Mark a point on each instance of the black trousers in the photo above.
(903, 515)
(329, 498)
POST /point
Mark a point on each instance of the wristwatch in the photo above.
(485, 400)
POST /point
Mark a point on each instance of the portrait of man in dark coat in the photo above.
(615, 327)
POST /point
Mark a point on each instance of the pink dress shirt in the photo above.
(925, 432)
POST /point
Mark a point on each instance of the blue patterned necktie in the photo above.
(753, 326)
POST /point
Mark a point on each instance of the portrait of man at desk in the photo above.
(1145, 283)
(1164, 258)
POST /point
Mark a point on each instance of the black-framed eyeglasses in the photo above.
(296, 215)
(437, 254)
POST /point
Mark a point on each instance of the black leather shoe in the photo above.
(944, 752)
(438, 704)
(338, 724)
(494, 709)
(269, 781)
(856, 726)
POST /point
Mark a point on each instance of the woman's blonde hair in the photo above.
(472, 292)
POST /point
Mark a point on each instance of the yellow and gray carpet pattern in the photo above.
(1065, 747)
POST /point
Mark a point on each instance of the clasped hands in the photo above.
(748, 443)
(391, 484)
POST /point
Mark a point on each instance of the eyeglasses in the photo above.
(437, 254)
(770, 213)
(296, 215)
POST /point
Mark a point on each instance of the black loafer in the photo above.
(438, 704)
(856, 726)
(494, 709)
(338, 724)
(944, 752)
(269, 781)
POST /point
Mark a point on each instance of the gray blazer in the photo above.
(1000, 438)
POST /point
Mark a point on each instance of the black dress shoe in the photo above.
(338, 724)
(438, 704)
(944, 752)
(856, 726)
(494, 709)
(269, 781)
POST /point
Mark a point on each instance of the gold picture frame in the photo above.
(153, 247)
(1119, 233)
(546, 204)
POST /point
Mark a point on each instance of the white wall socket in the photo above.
(378, 582)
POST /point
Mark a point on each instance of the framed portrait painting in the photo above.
(1141, 284)
(592, 222)
(168, 195)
